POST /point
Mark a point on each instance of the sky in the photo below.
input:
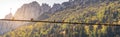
(11, 6)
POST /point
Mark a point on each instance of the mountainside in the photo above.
(26, 12)
(82, 11)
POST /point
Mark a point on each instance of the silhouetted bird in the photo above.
(31, 19)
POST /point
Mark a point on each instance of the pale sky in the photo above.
(5, 5)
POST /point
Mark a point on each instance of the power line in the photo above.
(106, 24)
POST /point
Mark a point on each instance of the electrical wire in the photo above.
(106, 24)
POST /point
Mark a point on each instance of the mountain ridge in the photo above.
(84, 11)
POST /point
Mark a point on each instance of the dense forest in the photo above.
(101, 12)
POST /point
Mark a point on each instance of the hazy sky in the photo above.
(5, 5)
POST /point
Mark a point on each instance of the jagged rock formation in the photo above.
(28, 11)
(83, 11)
(37, 12)
(45, 7)
(99, 12)
(56, 7)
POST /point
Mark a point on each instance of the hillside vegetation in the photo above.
(105, 12)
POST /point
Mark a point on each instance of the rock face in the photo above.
(31, 10)
(28, 11)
